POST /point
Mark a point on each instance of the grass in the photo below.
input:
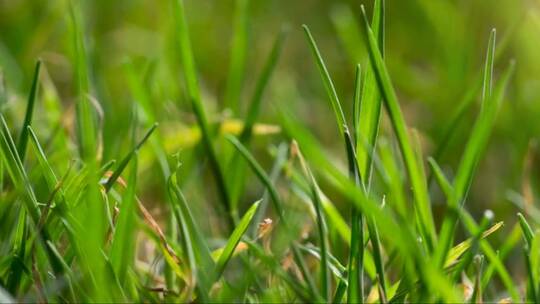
(241, 201)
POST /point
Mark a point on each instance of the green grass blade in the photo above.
(122, 254)
(322, 231)
(259, 171)
(23, 138)
(236, 169)
(190, 74)
(416, 175)
(357, 105)
(473, 244)
(16, 171)
(262, 83)
(85, 119)
(473, 150)
(327, 80)
(234, 239)
(488, 68)
(526, 229)
(355, 290)
(278, 206)
(369, 114)
(123, 164)
(479, 136)
(531, 283)
(238, 56)
(204, 264)
(441, 179)
(393, 179)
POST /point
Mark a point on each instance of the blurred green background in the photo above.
(434, 51)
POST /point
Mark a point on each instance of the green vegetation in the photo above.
(209, 151)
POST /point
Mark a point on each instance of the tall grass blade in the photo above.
(23, 138)
(471, 156)
(416, 175)
(369, 112)
(327, 80)
(204, 264)
(236, 168)
(355, 288)
(322, 230)
(190, 74)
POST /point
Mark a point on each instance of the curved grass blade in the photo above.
(235, 238)
(526, 229)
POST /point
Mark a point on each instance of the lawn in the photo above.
(269, 151)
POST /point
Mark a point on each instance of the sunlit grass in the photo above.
(84, 222)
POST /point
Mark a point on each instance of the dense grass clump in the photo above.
(170, 198)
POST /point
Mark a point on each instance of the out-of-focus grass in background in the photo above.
(434, 52)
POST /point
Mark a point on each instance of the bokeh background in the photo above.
(434, 51)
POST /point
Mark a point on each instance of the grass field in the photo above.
(269, 151)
